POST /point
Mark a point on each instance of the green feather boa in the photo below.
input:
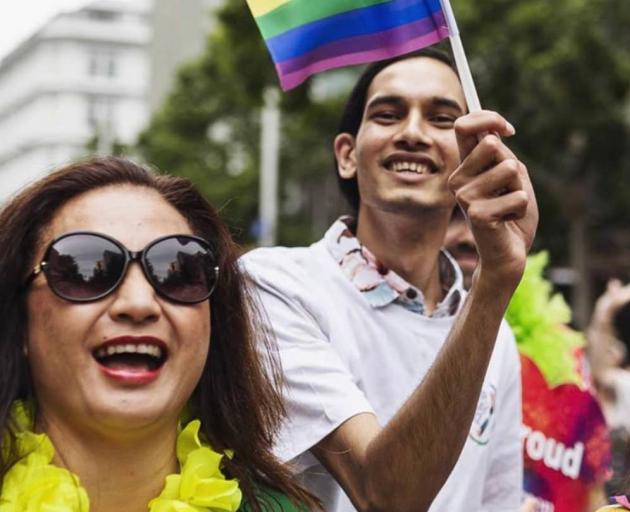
(539, 320)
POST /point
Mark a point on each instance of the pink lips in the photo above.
(136, 377)
(133, 376)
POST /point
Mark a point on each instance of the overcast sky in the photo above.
(20, 18)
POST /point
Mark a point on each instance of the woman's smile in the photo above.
(132, 360)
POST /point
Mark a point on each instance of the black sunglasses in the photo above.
(82, 266)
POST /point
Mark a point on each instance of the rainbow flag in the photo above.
(308, 36)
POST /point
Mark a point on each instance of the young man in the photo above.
(394, 379)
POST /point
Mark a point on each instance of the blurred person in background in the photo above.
(609, 343)
(130, 378)
(565, 440)
(460, 243)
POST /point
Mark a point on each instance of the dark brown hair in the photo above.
(237, 398)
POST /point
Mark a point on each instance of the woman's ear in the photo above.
(345, 155)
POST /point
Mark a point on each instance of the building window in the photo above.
(99, 114)
(102, 63)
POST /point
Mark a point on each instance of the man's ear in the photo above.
(345, 155)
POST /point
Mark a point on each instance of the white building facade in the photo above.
(81, 78)
(180, 30)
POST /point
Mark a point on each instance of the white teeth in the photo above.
(142, 348)
(152, 350)
(416, 167)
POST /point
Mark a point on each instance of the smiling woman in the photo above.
(129, 377)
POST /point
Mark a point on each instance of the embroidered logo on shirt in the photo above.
(484, 416)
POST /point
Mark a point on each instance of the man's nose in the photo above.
(414, 131)
(135, 300)
(463, 234)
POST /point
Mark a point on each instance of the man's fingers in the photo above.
(501, 179)
(510, 206)
(489, 152)
(471, 127)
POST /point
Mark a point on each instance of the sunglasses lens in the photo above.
(84, 267)
(182, 269)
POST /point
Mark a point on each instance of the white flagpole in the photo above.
(468, 84)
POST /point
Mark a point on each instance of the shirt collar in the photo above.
(381, 286)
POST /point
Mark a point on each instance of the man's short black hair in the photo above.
(353, 112)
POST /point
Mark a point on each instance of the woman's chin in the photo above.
(116, 399)
(126, 413)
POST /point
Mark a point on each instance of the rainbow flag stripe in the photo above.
(308, 36)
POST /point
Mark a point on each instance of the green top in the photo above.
(271, 500)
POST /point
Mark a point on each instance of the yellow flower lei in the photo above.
(34, 484)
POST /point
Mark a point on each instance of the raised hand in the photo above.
(493, 188)
(611, 301)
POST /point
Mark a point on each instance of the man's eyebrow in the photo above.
(385, 100)
(436, 101)
(441, 101)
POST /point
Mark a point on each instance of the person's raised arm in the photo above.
(403, 465)
(604, 349)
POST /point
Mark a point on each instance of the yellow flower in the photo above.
(34, 484)
(201, 486)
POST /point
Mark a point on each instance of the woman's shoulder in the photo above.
(271, 500)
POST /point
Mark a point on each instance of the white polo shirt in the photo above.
(351, 343)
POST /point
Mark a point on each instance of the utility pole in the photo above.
(269, 160)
